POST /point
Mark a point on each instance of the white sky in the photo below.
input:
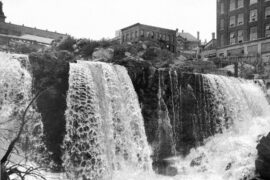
(96, 19)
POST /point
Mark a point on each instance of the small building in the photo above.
(12, 32)
(208, 50)
(140, 32)
(186, 41)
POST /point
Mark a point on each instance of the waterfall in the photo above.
(242, 116)
(104, 125)
(15, 93)
(223, 117)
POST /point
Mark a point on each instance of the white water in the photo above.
(101, 98)
(15, 93)
(105, 131)
(243, 114)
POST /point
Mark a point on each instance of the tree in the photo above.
(21, 170)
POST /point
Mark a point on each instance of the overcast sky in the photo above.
(96, 19)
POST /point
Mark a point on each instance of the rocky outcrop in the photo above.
(176, 107)
(50, 71)
(103, 54)
(263, 161)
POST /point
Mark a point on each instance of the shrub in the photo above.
(67, 44)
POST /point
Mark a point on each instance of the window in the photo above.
(164, 37)
(240, 36)
(152, 35)
(253, 1)
(157, 35)
(240, 3)
(136, 34)
(123, 38)
(267, 12)
(221, 40)
(131, 36)
(253, 33)
(127, 37)
(253, 15)
(240, 19)
(232, 38)
(222, 24)
(267, 30)
(232, 5)
(221, 8)
(232, 21)
(142, 33)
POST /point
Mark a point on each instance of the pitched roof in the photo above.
(187, 36)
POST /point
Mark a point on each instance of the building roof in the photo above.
(139, 24)
(187, 36)
(42, 40)
(28, 38)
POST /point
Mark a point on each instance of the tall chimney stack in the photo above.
(2, 15)
(198, 35)
(213, 35)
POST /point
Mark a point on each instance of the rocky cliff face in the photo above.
(50, 71)
(176, 107)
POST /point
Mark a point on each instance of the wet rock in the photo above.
(165, 167)
(263, 161)
(50, 71)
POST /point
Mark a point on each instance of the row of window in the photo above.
(238, 37)
(148, 34)
(238, 20)
(236, 4)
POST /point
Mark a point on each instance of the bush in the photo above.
(119, 52)
(150, 54)
(67, 44)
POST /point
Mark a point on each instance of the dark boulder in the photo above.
(263, 161)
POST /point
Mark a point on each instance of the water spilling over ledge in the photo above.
(198, 126)
(105, 130)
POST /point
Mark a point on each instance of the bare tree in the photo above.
(21, 170)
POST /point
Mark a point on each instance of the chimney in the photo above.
(198, 35)
(182, 30)
(2, 15)
(213, 35)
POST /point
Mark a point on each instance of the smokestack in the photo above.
(198, 35)
(2, 15)
(182, 30)
(213, 35)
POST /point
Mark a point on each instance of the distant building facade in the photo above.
(187, 44)
(243, 28)
(9, 31)
(186, 41)
(208, 49)
(141, 32)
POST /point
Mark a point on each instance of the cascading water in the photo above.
(234, 114)
(242, 115)
(15, 93)
(207, 126)
(105, 131)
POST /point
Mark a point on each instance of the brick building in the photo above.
(243, 28)
(141, 32)
(9, 31)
